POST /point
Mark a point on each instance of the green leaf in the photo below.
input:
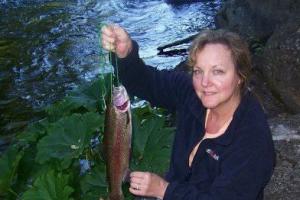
(151, 141)
(87, 98)
(61, 109)
(33, 132)
(157, 151)
(91, 96)
(93, 184)
(50, 186)
(29, 169)
(143, 127)
(9, 162)
(67, 138)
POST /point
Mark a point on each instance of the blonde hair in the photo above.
(239, 51)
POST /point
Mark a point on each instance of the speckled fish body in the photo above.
(117, 141)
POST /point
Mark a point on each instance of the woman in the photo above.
(223, 148)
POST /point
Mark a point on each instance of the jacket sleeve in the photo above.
(245, 171)
(161, 88)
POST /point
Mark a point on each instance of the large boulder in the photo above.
(236, 16)
(256, 18)
(281, 64)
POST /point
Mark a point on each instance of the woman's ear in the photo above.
(240, 81)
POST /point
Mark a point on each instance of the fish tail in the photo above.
(116, 196)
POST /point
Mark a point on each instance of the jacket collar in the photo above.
(241, 110)
(198, 110)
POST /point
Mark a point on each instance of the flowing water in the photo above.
(49, 47)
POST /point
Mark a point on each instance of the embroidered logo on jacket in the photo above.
(212, 154)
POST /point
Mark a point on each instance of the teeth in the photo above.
(208, 93)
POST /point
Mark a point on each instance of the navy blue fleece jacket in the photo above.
(235, 166)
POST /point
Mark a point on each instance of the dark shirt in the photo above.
(235, 165)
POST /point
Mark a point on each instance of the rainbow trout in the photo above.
(117, 141)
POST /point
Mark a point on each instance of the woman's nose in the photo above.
(205, 80)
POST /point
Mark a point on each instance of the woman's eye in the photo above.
(218, 71)
(197, 71)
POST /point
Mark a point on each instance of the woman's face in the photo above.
(214, 76)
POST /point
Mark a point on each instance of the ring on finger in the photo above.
(137, 187)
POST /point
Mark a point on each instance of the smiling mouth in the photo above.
(208, 93)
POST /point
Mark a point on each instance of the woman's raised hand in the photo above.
(116, 39)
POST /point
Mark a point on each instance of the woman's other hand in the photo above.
(147, 184)
(116, 39)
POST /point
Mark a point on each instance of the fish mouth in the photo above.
(123, 107)
(120, 99)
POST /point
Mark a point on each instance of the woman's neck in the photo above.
(226, 109)
(217, 117)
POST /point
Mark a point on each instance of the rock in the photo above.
(256, 18)
(285, 127)
(281, 64)
(236, 16)
(272, 106)
(285, 182)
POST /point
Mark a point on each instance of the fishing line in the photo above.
(111, 80)
(116, 68)
(117, 71)
(108, 62)
(114, 76)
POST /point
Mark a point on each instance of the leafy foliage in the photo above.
(93, 184)
(60, 157)
(49, 186)
(33, 132)
(68, 138)
(8, 165)
(151, 144)
(83, 99)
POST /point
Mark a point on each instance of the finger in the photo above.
(120, 32)
(136, 180)
(108, 46)
(139, 192)
(117, 29)
(137, 174)
(107, 30)
(107, 38)
(135, 186)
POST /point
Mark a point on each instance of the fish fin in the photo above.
(126, 178)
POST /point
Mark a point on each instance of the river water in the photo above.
(49, 47)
